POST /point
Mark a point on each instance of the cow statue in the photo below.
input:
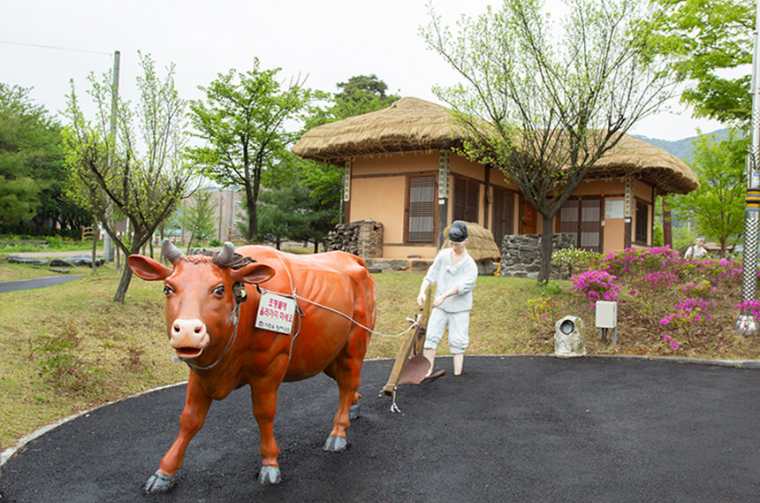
(212, 310)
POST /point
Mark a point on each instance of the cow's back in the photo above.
(325, 283)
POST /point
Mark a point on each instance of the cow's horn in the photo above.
(227, 255)
(170, 251)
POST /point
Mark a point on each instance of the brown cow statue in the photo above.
(319, 321)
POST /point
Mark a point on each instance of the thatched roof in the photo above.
(481, 245)
(632, 156)
(409, 124)
(413, 125)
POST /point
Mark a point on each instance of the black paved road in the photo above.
(29, 284)
(521, 429)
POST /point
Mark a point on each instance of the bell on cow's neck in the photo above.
(238, 289)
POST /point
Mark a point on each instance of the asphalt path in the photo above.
(523, 429)
(29, 284)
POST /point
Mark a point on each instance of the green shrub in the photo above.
(573, 260)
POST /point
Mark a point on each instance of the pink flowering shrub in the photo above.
(702, 289)
(596, 285)
(752, 307)
(673, 344)
(686, 314)
(633, 262)
(646, 287)
(659, 285)
(718, 271)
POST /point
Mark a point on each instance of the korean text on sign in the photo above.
(276, 313)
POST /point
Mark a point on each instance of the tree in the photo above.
(359, 95)
(703, 40)
(544, 108)
(243, 122)
(198, 216)
(281, 215)
(32, 173)
(717, 207)
(141, 170)
(300, 202)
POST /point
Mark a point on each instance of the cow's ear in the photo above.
(147, 268)
(253, 273)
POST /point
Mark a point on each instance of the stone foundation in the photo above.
(398, 265)
(521, 254)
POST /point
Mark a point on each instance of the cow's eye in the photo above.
(168, 290)
(218, 291)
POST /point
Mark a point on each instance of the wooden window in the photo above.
(466, 200)
(421, 210)
(641, 235)
(582, 218)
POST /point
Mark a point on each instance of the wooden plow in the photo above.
(411, 366)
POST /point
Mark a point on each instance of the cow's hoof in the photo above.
(336, 443)
(269, 475)
(160, 483)
(354, 412)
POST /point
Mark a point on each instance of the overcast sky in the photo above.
(45, 43)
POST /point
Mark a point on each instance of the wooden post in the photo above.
(443, 196)
(667, 225)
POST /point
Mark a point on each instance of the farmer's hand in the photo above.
(421, 299)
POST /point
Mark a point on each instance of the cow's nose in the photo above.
(193, 328)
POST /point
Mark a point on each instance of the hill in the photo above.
(679, 148)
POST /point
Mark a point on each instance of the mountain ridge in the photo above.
(679, 148)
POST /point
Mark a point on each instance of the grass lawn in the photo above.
(69, 347)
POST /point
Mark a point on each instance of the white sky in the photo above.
(45, 43)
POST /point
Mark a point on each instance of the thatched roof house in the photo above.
(401, 171)
(413, 125)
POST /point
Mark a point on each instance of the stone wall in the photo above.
(521, 254)
(364, 239)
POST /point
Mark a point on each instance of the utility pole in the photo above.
(747, 324)
(107, 241)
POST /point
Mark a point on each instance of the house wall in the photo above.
(379, 192)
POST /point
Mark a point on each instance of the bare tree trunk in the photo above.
(138, 241)
(252, 227)
(95, 252)
(546, 250)
(190, 241)
(121, 291)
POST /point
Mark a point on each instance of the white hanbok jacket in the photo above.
(444, 275)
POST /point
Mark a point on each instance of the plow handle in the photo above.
(413, 341)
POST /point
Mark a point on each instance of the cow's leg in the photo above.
(264, 398)
(197, 404)
(346, 370)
